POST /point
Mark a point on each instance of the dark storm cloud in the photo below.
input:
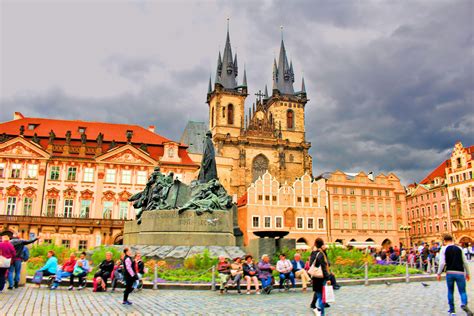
(391, 83)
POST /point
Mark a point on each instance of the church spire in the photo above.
(283, 75)
(209, 89)
(228, 66)
(244, 81)
(303, 87)
(266, 92)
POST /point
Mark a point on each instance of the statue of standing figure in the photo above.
(208, 170)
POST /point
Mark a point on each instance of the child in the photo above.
(117, 274)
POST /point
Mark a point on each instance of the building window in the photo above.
(66, 243)
(382, 225)
(336, 205)
(365, 224)
(351, 191)
(372, 207)
(274, 198)
(267, 222)
(51, 208)
(54, 173)
(389, 225)
(434, 194)
(255, 221)
(437, 228)
(321, 223)
(298, 199)
(107, 209)
(88, 174)
(48, 241)
(299, 223)
(364, 206)
(372, 224)
(334, 190)
(85, 209)
(2, 170)
(315, 200)
(290, 119)
(354, 224)
(371, 192)
(71, 173)
(260, 197)
(16, 171)
(362, 192)
(27, 206)
(346, 224)
(380, 206)
(11, 205)
(267, 197)
(126, 176)
(387, 193)
(397, 197)
(32, 171)
(336, 223)
(123, 210)
(344, 191)
(141, 177)
(353, 206)
(310, 223)
(230, 114)
(82, 244)
(278, 222)
(110, 175)
(379, 192)
(68, 207)
(306, 199)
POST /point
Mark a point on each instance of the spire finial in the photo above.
(281, 31)
(228, 18)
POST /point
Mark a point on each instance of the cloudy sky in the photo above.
(391, 83)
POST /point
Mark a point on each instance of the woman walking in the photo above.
(130, 275)
(318, 257)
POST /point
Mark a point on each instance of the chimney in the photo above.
(18, 116)
(371, 176)
(151, 128)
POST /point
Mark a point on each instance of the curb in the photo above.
(208, 286)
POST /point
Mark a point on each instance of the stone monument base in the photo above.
(168, 228)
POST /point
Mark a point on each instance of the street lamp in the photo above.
(406, 229)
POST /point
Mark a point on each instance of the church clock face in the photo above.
(259, 167)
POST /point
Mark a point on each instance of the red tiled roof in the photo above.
(111, 131)
(242, 201)
(438, 172)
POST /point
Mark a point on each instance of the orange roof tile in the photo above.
(242, 201)
(111, 131)
(438, 172)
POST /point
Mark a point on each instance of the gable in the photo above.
(127, 155)
(20, 148)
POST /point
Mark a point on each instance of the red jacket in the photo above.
(68, 266)
(7, 250)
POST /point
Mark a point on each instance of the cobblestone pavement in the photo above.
(396, 299)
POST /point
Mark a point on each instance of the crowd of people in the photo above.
(260, 274)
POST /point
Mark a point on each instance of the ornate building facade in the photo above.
(299, 208)
(270, 137)
(443, 202)
(70, 181)
(364, 208)
(460, 180)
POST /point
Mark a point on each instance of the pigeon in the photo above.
(388, 283)
(425, 284)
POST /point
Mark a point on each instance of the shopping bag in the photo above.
(329, 294)
(5, 262)
(38, 277)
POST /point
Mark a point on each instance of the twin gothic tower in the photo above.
(270, 136)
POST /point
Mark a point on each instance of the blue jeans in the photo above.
(61, 274)
(266, 282)
(318, 301)
(284, 276)
(460, 280)
(14, 268)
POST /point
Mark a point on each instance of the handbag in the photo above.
(5, 262)
(329, 294)
(316, 272)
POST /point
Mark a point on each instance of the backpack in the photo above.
(38, 277)
(25, 254)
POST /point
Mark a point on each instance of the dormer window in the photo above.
(81, 130)
(31, 127)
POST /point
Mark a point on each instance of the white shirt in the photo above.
(284, 266)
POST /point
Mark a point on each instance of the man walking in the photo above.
(15, 266)
(457, 271)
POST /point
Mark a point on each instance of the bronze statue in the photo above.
(68, 137)
(22, 130)
(36, 139)
(83, 138)
(52, 136)
(211, 197)
(208, 170)
(100, 139)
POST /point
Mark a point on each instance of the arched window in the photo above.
(230, 114)
(259, 166)
(290, 119)
(212, 117)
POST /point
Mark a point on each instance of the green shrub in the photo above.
(41, 250)
(98, 254)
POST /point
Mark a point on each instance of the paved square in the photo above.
(396, 299)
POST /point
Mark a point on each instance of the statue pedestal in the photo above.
(167, 227)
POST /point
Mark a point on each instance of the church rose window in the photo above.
(259, 167)
(290, 119)
(230, 114)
